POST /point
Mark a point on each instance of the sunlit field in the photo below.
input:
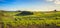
(27, 19)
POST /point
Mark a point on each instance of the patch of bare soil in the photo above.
(39, 26)
(21, 26)
(10, 26)
(30, 26)
(0, 25)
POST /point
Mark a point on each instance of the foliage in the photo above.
(25, 13)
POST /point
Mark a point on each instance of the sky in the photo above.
(30, 5)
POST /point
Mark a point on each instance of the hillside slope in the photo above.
(37, 18)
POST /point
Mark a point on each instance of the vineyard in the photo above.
(15, 19)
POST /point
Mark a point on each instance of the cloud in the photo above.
(57, 1)
(54, 1)
(49, 0)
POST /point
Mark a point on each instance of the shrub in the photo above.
(25, 13)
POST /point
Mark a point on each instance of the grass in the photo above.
(40, 18)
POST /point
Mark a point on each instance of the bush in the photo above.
(25, 13)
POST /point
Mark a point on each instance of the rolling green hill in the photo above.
(37, 18)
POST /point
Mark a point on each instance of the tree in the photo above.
(55, 10)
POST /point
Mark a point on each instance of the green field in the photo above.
(37, 18)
